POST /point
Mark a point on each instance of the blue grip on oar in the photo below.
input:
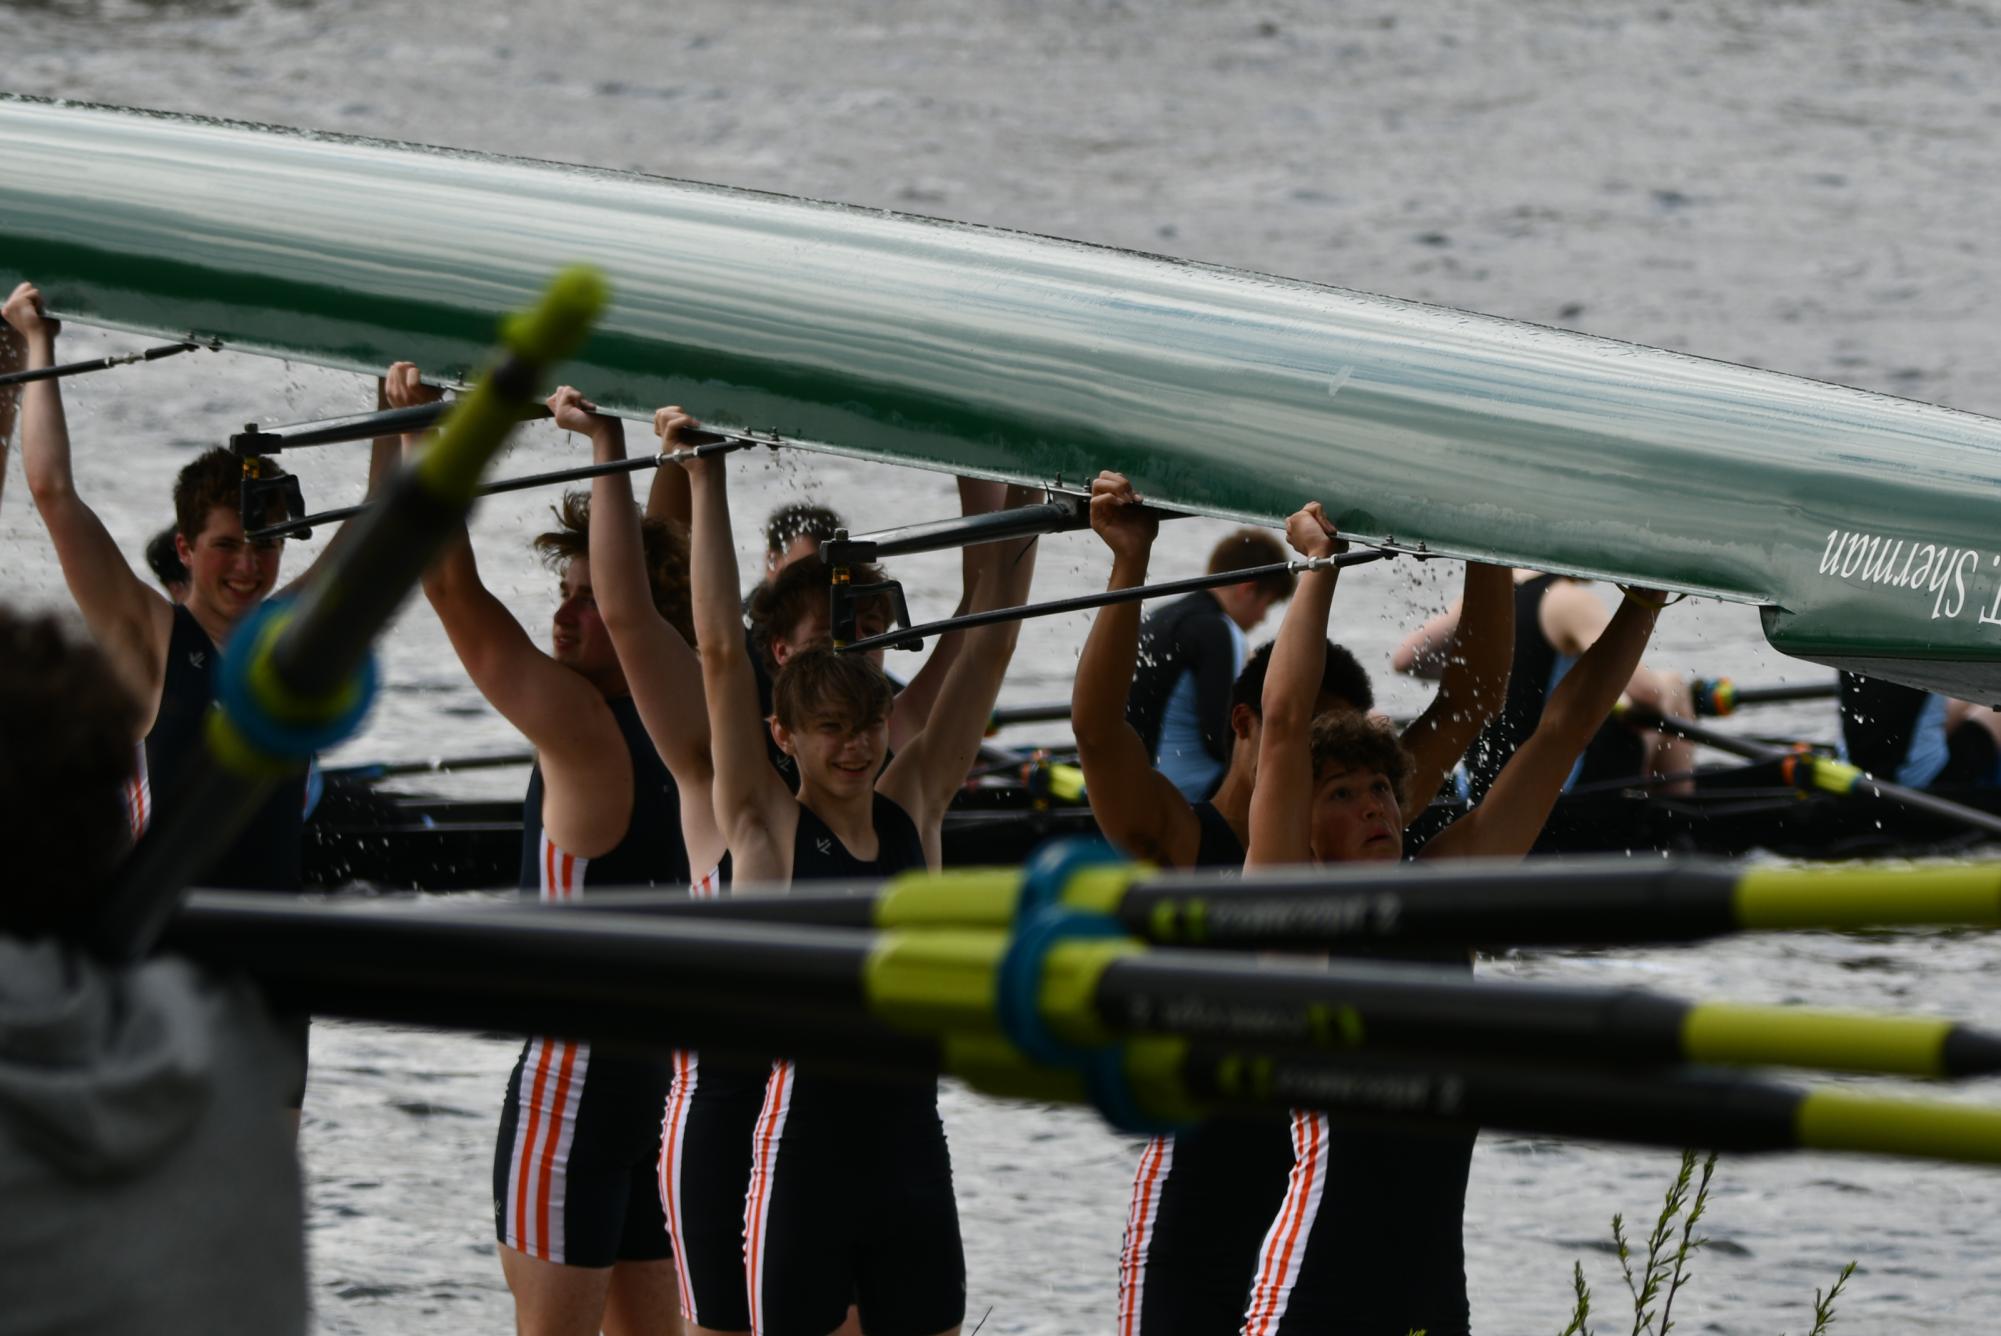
(1043, 922)
(252, 717)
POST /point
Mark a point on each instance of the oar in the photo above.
(296, 676)
(1673, 1109)
(370, 772)
(105, 363)
(1719, 696)
(704, 443)
(1460, 903)
(356, 427)
(1812, 771)
(745, 992)
(912, 637)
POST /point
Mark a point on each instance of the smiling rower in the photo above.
(166, 652)
(851, 1185)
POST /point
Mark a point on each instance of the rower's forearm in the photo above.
(45, 444)
(1299, 656)
(712, 573)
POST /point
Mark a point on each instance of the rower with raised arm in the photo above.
(582, 1244)
(1556, 619)
(1201, 1200)
(703, 1169)
(166, 652)
(851, 1199)
(1368, 1236)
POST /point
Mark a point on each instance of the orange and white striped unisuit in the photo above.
(139, 794)
(674, 1130)
(552, 1083)
(757, 1203)
(1285, 1244)
(1155, 1163)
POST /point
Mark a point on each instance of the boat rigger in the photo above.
(1856, 522)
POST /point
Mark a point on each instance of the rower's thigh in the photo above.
(911, 1278)
(643, 1300)
(551, 1299)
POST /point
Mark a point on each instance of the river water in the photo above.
(1810, 187)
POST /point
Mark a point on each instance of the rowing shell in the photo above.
(1861, 525)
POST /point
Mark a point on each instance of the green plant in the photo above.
(1656, 1281)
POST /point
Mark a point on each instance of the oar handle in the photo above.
(707, 443)
(911, 637)
(104, 363)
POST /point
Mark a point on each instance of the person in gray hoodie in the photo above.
(147, 1167)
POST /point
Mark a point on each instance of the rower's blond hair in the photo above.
(821, 683)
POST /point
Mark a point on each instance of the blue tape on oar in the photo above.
(1043, 922)
(284, 739)
(1046, 874)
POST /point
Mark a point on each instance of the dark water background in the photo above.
(1811, 187)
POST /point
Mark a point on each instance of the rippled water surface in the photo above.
(1810, 187)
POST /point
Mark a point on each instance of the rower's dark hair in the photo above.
(1343, 676)
(821, 682)
(215, 479)
(165, 559)
(1351, 740)
(795, 518)
(787, 598)
(664, 544)
(66, 730)
(1255, 547)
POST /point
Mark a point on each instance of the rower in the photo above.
(1368, 1237)
(167, 652)
(794, 530)
(1202, 1200)
(790, 611)
(582, 1244)
(851, 1199)
(703, 1165)
(149, 1176)
(1918, 738)
(1556, 619)
(1190, 652)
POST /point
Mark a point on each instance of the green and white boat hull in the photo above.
(1861, 524)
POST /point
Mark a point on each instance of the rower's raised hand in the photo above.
(573, 412)
(404, 387)
(1119, 516)
(24, 314)
(1312, 534)
(672, 425)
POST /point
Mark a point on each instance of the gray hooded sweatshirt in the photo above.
(148, 1179)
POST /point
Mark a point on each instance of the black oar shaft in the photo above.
(743, 993)
(253, 440)
(703, 443)
(99, 364)
(911, 636)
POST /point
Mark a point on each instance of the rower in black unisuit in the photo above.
(575, 1164)
(1203, 1197)
(268, 854)
(851, 1181)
